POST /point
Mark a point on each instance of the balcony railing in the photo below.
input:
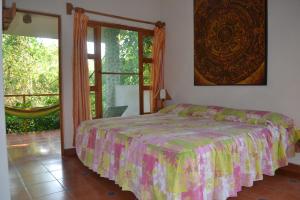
(24, 96)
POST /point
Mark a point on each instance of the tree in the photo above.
(122, 56)
(30, 67)
(111, 63)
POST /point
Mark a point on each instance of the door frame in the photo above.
(142, 32)
(59, 68)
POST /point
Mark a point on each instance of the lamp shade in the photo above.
(163, 94)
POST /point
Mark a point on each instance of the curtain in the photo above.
(81, 89)
(157, 68)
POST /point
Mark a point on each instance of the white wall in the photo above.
(282, 93)
(128, 95)
(142, 9)
(4, 188)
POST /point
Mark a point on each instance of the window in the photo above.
(120, 62)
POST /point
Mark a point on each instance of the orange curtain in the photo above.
(81, 89)
(157, 69)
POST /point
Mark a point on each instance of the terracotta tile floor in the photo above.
(37, 171)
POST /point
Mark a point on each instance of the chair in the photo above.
(115, 111)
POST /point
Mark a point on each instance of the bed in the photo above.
(187, 151)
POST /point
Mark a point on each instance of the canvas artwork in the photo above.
(230, 42)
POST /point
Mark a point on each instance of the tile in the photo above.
(38, 178)
(58, 174)
(48, 176)
(13, 173)
(49, 160)
(19, 193)
(16, 183)
(31, 169)
(57, 196)
(87, 195)
(63, 174)
(44, 189)
(77, 183)
(54, 166)
(70, 169)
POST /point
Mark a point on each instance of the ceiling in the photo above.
(41, 26)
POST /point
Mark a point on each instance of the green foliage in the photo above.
(122, 56)
(92, 103)
(30, 67)
(147, 43)
(20, 125)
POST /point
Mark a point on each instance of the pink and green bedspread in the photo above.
(187, 151)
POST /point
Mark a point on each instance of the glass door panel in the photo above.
(90, 41)
(119, 52)
(120, 64)
(91, 65)
(120, 72)
(147, 46)
(120, 95)
(147, 101)
(147, 74)
(92, 104)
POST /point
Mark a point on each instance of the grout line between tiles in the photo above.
(23, 183)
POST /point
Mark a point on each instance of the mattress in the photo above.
(187, 151)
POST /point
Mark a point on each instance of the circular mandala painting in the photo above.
(230, 42)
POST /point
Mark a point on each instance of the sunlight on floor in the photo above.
(33, 145)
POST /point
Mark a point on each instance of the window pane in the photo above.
(90, 41)
(147, 73)
(119, 50)
(147, 46)
(120, 95)
(147, 101)
(91, 64)
(93, 104)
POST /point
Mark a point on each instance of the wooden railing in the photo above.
(29, 95)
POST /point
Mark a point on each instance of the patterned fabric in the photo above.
(81, 84)
(157, 72)
(177, 154)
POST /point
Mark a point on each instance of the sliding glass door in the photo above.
(120, 60)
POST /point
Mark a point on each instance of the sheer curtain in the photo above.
(157, 69)
(81, 89)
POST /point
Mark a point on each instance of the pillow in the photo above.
(279, 119)
(192, 110)
(230, 114)
(175, 108)
(206, 112)
(256, 117)
(209, 113)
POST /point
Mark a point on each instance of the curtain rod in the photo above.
(70, 9)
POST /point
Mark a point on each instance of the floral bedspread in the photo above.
(186, 151)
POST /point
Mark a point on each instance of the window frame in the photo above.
(97, 88)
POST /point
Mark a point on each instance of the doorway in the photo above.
(32, 83)
(120, 62)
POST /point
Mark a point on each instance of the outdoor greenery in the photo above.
(24, 125)
(30, 67)
(122, 56)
